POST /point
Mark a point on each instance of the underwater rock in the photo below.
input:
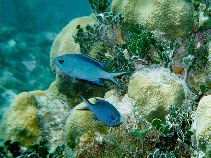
(154, 89)
(203, 125)
(64, 42)
(20, 122)
(117, 141)
(174, 18)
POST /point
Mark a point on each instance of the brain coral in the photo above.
(203, 125)
(173, 17)
(154, 89)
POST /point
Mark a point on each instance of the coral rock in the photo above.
(203, 125)
(154, 89)
(20, 122)
(171, 17)
(36, 115)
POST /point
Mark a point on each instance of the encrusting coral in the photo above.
(203, 125)
(20, 122)
(172, 17)
(36, 115)
(154, 89)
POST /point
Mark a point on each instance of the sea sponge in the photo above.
(64, 42)
(203, 125)
(20, 122)
(173, 17)
(154, 89)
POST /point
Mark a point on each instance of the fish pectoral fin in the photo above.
(99, 82)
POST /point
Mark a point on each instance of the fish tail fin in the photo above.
(114, 74)
(85, 100)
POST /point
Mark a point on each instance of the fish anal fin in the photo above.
(99, 82)
(99, 100)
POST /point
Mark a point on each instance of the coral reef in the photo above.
(154, 89)
(203, 125)
(38, 115)
(20, 122)
(156, 105)
(137, 138)
(174, 18)
(13, 149)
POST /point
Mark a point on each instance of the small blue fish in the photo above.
(103, 111)
(85, 68)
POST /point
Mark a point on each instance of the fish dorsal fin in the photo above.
(99, 101)
(106, 104)
(85, 100)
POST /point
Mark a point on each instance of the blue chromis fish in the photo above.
(103, 111)
(85, 68)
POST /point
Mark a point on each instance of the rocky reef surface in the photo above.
(162, 107)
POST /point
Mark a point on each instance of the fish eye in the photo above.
(61, 61)
(113, 117)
